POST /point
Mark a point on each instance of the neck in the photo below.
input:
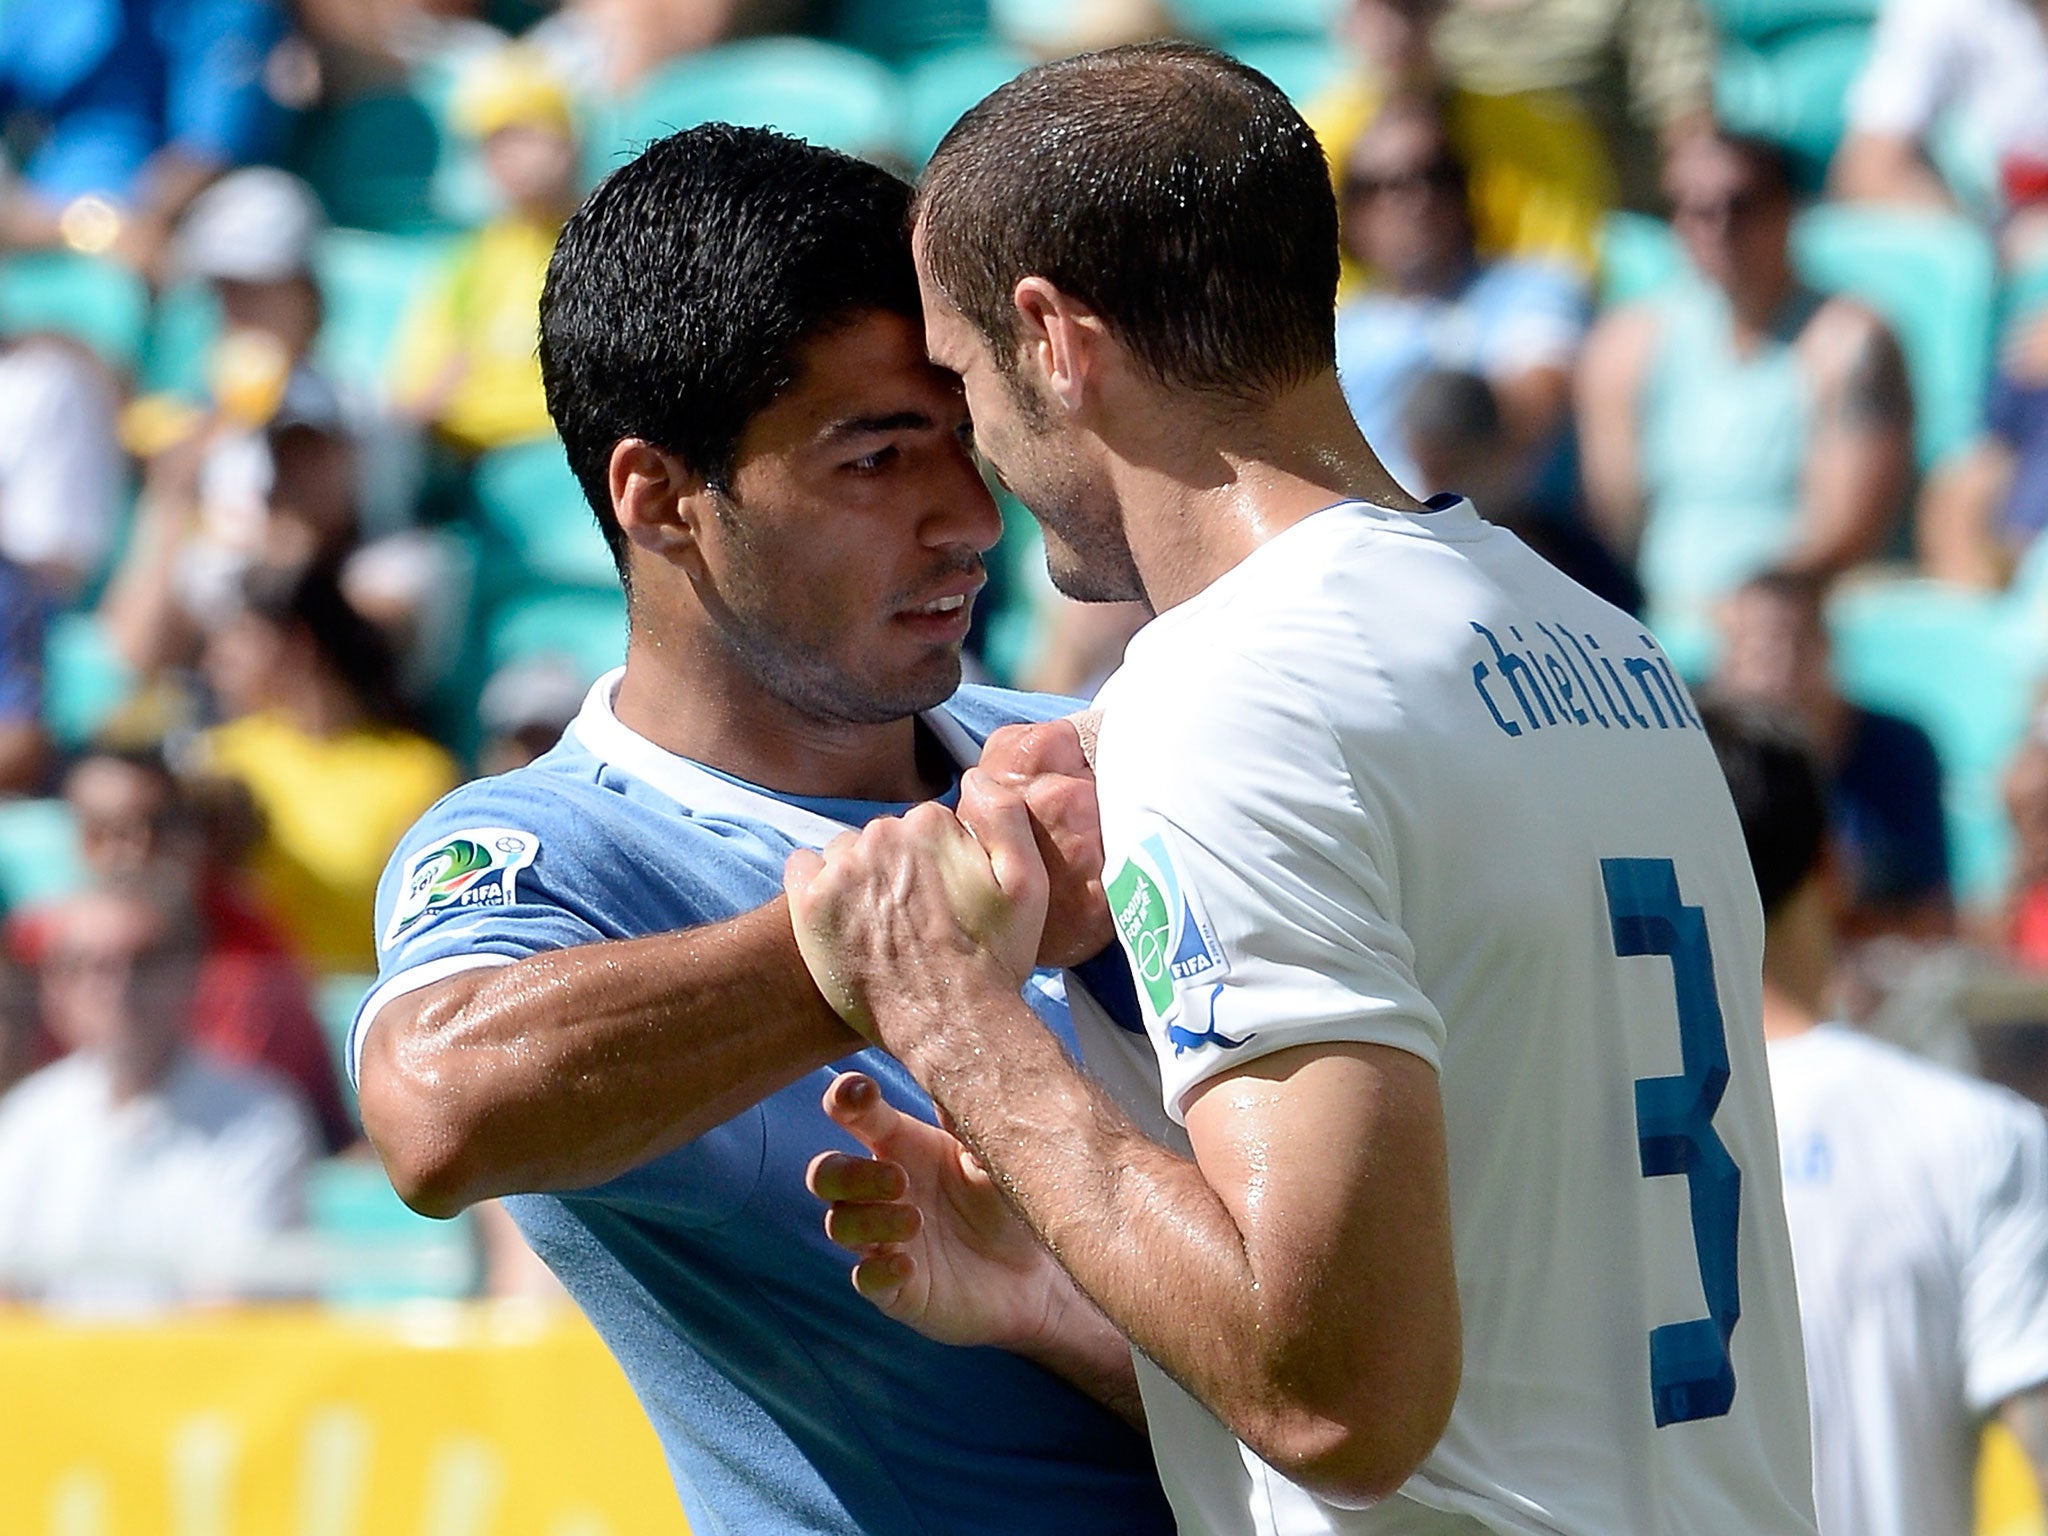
(138, 1066)
(1798, 963)
(1196, 502)
(1759, 302)
(689, 703)
(322, 707)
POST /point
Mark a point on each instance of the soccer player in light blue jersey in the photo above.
(580, 1006)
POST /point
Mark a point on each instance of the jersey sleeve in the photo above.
(1252, 882)
(2005, 1274)
(495, 873)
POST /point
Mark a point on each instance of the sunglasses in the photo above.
(1437, 176)
(1737, 208)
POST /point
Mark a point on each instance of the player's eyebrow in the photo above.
(867, 426)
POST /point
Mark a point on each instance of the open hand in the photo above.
(938, 1248)
(1048, 765)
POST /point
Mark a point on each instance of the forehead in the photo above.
(1399, 139)
(871, 367)
(1708, 166)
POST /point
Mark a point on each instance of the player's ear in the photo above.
(1062, 339)
(659, 500)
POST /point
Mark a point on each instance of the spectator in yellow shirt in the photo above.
(467, 366)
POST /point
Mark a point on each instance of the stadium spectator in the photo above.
(1516, 323)
(133, 106)
(2025, 790)
(22, 1042)
(318, 734)
(524, 709)
(61, 477)
(1737, 421)
(1968, 73)
(1983, 510)
(1884, 779)
(608, 48)
(1540, 180)
(250, 1002)
(466, 366)
(138, 1169)
(25, 608)
(263, 472)
(1917, 1199)
(1642, 70)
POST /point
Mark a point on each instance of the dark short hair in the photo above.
(679, 293)
(1779, 792)
(1171, 189)
(1766, 157)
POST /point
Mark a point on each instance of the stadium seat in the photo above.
(1935, 279)
(373, 1250)
(939, 88)
(368, 282)
(1963, 665)
(38, 853)
(903, 30)
(84, 681)
(533, 511)
(1638, 255)
(99, 303)
(1759, 20)
(1221, 19)
(1303, 67)
(373, 161)
(187, 319)
(813, 90)
(583, 626)
(335, 1001)
(1791, 90)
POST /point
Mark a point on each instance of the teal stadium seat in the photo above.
(581, 625)
(368, 282)
(1303, 67)
(533, 510)
(375, 1251)
(1218, 20)
(1934, 279)
(373, 160)
(99, 303)
(937, 89)
(1791, 89)
(1758, 20)
(39, 858)
(1964, 666)
(814, 90)
(84, 681)
(903, 31)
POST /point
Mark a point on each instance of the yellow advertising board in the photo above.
(472, 1420)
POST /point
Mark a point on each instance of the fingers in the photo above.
(798, 871)
(855, 1104)
(1022, 752)
(838, 1176)
(881, 1278)
(860, 1226)
(997, 817)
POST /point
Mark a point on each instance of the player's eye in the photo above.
(965, 432)
(873, 463)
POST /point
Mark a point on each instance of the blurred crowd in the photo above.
(1735, 309)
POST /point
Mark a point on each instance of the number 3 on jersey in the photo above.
(1691, 1375)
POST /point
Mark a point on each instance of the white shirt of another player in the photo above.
(1393, 779)
(1918, 1202)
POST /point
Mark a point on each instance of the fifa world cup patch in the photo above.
(476, 867)
(1170, 942)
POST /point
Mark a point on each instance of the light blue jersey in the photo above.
(784, 1402)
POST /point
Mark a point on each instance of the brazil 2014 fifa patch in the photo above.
(476, 867)
(1171, 945)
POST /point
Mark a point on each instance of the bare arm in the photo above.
(1955, 533)
(568, 1068)
(1860, 457)
(1296, 1276)
(1612, 373)
(1887, 168)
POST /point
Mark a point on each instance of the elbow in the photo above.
(412, 1118)
(1361, 1447)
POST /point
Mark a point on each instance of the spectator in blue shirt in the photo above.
(24, 619)
(135, 105)
(1435, 305)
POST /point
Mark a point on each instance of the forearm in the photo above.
(1855, 488)
(1085, 1349)
(568, 1068)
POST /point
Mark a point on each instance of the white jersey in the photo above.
(1394, 779)
(1918, 1201)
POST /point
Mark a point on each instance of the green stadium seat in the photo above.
(1791, 90)
(1935, 279)
(335, 1001)
(1758, 20)
(1964, 666)
(99, 303)
(583, 626)
(1221, 19)
(1303, 67)
(902, 31)
(181, 332)
(368, 282)
(373, 161)
(938, 89)
(814, 90)
(534, 512)
(84, 681)
(39, 858)
(374, 1251)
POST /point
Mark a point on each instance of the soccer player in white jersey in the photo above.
(1454, 1207)
(1917, 1198)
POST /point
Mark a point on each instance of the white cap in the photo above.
(253, 226)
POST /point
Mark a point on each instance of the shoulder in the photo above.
(982, 708)
(45, 1095)
(1522, 281)
(1844, 333)
(1622, 342)
(232, 1098)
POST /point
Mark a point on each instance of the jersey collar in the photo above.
(698, 790)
